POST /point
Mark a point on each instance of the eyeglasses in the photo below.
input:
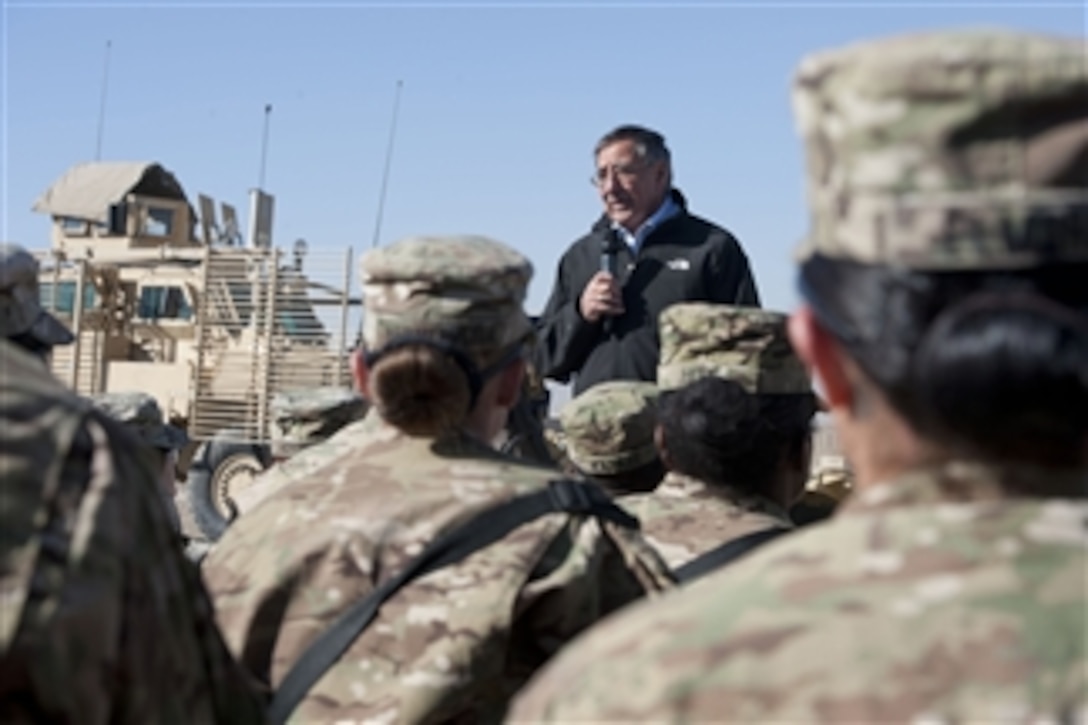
(624, 172)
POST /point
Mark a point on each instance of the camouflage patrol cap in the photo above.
(140, 413)
(747, 345)
(20, 302)
(947, 150)
(305, 417)
(465, 290)
(556, 443)
(609, 429)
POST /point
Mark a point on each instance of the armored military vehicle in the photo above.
(210, 324)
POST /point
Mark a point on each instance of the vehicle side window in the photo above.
(65, 302)
(159, 222)
(164, 303)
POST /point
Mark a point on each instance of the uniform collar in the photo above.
(680, 485)
(969, 481)
(454, 444)
(669, 208)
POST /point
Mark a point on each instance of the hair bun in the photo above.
(1009, 370)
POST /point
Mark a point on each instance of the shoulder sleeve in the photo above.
(187, 659)
(116, 626)
(564, 337)
(731, 281)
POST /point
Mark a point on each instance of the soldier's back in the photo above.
(909, 605)
(103, 619)
(453, 645)
(302, 464)
(684, 518)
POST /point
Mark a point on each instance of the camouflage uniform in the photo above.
(21, 313)
(685, 517)
(456, 644)
(140, 413)
(935, 596)
(102, 619)
(524, 436)
(311, 428)
(609, 431)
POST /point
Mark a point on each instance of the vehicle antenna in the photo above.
(264, 145)
(102, 103)
(388, 161)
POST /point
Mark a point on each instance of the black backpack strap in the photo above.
(482, 530)
(722, 555)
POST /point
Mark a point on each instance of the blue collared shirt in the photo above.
(668, 209)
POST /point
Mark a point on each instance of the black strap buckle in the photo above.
(573, 497)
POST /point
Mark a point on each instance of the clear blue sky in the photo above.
(500, 108)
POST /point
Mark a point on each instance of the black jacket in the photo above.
(686, 259)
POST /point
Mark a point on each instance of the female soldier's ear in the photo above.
(822, 354)
(359, 372)
(510, 380)
(662, 449)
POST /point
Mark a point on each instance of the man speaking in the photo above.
(644, 253)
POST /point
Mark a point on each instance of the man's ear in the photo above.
(664, 173)
(360, 374)
(823, 355)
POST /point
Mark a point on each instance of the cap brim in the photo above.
(170, 438)
(51, 331)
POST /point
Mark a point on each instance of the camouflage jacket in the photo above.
(102, 617)
(455, 644)
(683, 517)
(933, 599)
(304, 462)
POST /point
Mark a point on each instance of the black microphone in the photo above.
(610, 247)
(610, 262)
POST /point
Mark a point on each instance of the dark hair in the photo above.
(643, 479)
(649, 144)
(717, 432)
(994, 362)
(420, 390)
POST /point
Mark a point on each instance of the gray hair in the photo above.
(649, 144)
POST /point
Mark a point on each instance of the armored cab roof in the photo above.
(86, 191)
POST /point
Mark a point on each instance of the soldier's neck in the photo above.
(881, 446)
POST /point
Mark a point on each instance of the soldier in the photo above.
(445, 336)
(609, 436)
(524, 436)
(736, 446)
(946, 316)
(140, 413)
(829, 483)
(306, 434)
(103, 620)
(22, 319)
(304, 418)
(555, 440)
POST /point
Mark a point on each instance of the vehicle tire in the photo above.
(214, 473)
